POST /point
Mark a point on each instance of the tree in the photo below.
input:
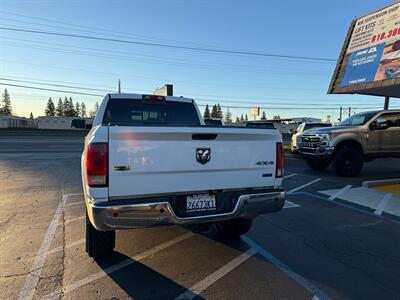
(95, 109)
(6, 104)
(241, 118)
(31, 116)
(60, 108)
(83, 109)
(246, 118)
(77, 110)
(228, 116)
(50, 110)
(263, 116)
(277, 117)
(237, 120)
(206, 114)
(66, 110)
(219, 110)
(71, 108)
(214, 112)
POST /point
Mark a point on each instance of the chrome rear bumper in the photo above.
(112, 217)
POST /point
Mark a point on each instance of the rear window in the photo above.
(135, 112)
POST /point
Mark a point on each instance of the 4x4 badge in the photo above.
(203, 155)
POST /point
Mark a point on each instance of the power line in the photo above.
(151, 58)
(210, 50)
(201, 105)
(221, 100)
(161, 79)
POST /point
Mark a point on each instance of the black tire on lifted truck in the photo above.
(348, 162)
(98, 243)
(317, 163)
(232, 229)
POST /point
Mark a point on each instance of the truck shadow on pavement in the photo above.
(140, 281)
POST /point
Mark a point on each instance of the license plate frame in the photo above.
(201, 203)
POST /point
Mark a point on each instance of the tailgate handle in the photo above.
(121, 168)
(204, 136)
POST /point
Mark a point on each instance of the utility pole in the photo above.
(340, 115)
(386, 106)
(119, 86)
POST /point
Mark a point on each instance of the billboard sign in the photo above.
(255, 111)
(371, 54)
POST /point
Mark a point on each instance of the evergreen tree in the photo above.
(50, 110)
(237, 120)
(60, 108)
(241, 118)
(6, 109)
(228, 116)
(263, 116)
(71, 108)
(95, 109)
(214, 112)
(219, 110)
(31, 116)
(83, 109)
(66, 111)
(207, 114)
(246, 118)
(77, 110)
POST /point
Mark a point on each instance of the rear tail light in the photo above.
(97, 164)
(280, 160)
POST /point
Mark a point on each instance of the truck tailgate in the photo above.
(159, 160)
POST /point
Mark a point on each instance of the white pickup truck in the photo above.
(150, 160)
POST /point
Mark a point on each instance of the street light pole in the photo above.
(386, 106)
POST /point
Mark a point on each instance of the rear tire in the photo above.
(232, 229)
(317, 164)
(98, 243)
(348, 162)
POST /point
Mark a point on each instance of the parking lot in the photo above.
(317, 247)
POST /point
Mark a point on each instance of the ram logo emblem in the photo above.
(203, 155)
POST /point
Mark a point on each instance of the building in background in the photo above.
(63, 123)
(17, 122)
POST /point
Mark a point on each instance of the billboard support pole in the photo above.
(387, 100)
(340, 117)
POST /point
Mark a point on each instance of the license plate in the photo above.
(307, 145)
(203, 202)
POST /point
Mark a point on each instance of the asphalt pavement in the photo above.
(315, 248)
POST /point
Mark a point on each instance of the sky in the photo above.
(284, 87)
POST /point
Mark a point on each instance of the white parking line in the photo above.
(315, 291)
(290, 204)
(290, 175)
(81, 241)
(340, 192)
(380, 208)
(116, 267)
(303, 186)
(199, 287)
(74, 219)
(75, 203)
(32, 278)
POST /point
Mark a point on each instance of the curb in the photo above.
(380, 182)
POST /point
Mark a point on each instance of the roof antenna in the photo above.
(119, 86)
